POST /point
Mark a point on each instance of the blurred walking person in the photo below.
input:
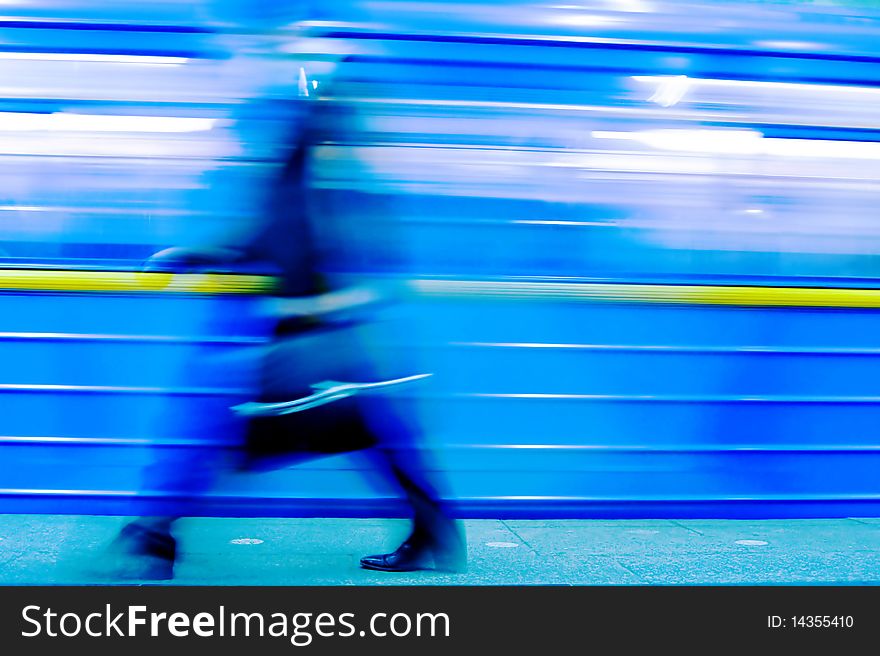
(302, 412)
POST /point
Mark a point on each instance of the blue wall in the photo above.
(502, 143)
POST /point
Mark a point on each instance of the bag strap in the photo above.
(325, 392)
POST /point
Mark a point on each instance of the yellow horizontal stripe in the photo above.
(668, 294)
(212, 284)
(132, 282)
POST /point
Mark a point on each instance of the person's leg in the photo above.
(144, 549)
(436, 538)
(173, 486)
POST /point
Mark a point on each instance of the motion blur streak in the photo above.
(636, 243)
(101, 123)
(91, 57)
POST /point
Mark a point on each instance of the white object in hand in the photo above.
(325, 392)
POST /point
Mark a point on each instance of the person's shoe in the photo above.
(141, 553)
(406, 558)
(409, 557)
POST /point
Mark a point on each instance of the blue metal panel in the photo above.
(479, 145)
(744, 414)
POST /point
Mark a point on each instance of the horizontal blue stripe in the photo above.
(598, 68)
(75, 338)
(467, 449)
(474, 509)
(598, 44)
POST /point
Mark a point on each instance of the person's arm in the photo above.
(350, 299)
(190, 259)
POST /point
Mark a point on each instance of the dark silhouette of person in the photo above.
(308, 306)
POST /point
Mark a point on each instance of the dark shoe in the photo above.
(141, 553)
(141, 540)
(409, 558)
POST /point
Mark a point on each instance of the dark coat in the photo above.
(305, 352)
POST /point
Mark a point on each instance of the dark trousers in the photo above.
(176, 483)
(179, 479)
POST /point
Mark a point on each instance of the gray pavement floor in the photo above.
(64, 550)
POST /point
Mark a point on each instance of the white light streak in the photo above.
(633, 6)
(584, 20)
(665, 82)
(563, 223)
(64, 122)
(303, 83)
(148, 60)
(746, 142)
(671, 91)
(806, 46)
